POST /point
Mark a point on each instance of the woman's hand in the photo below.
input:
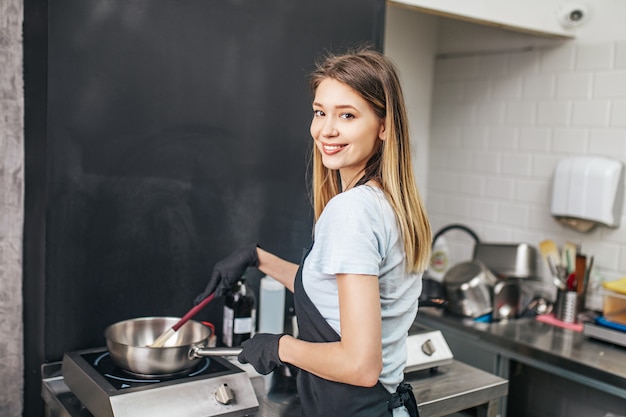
(261, 351)
(229, 270)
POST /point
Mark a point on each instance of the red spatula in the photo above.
(166, 335)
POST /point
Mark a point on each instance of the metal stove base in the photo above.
(73, 388)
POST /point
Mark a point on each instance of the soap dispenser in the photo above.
(588, 191)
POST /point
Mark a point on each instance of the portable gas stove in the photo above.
(215, 387)
(426, 349)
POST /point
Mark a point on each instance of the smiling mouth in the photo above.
(332, 149)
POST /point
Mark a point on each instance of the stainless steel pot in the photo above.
(128, 343)
(469, 289)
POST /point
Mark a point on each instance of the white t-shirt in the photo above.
(357, 233)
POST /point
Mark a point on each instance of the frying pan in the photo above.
(129, 342)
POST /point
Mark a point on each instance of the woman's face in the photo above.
(345, 129)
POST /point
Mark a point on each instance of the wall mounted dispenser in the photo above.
(588, 191)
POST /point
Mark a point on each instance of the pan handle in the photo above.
(200, 351)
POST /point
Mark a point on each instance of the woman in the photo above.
(357, 290)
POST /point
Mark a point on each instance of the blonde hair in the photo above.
(375, 78)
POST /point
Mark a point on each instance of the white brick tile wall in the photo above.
(595, 56)
(486, 162)
(499, 188)
(507, 87)
(521, 113)
(477, 91)
(473, 185)
(558, 60)
(437, 159)
(608, 142)
(501, 123)
(591, 113)
(484, 210)
(457, 67)
(622, 259)
(493, 65)
(553, 113)
(610, 84)
(573, 85)
(620, 54)
(569, 141)
(444, 136)
(503, 138)
(514, 215)
(544, 165)
(534, 139)
(490, 113)
(456, 207)
(536, 86)
(534, 192)
(525, 62)
(517, 164)
(449, 92)
(457, 160)
(475, 137)
(618, 114)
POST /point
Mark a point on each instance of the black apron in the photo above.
(324, 398)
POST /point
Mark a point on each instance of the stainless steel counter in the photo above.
(564, 352)
(453, 388)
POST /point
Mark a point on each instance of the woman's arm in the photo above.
(357, 358)
(278, 268)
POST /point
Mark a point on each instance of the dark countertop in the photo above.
(562, 351)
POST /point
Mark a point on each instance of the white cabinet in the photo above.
(551, 18)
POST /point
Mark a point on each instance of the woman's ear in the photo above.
(382, 133)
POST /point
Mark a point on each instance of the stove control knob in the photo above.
(224, 394)
(428, 347)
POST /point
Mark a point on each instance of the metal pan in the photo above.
(129, 345)
(469, 289)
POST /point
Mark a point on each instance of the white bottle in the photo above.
(439, 260)
(271, 306)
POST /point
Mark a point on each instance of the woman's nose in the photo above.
(329, 128)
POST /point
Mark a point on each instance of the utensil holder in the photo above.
(567, 306)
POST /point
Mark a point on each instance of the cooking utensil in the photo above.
(549, 250)
(588, 275)
(167, 335)
(550, 253)
(580, 271)
(569, 256)
(556, 277)
(507, 260)
(507, 296)
(571, 282)
(469, 287)
(129, 342)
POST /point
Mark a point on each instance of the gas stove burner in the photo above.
(104, 364)
(107, 390)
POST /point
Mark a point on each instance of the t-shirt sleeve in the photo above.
(348, 236)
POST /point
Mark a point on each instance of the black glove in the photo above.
(261, 352)
(228, 271)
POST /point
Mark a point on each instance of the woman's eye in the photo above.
(347, 116)
(318, 113)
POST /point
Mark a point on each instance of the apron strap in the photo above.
(404, 397)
